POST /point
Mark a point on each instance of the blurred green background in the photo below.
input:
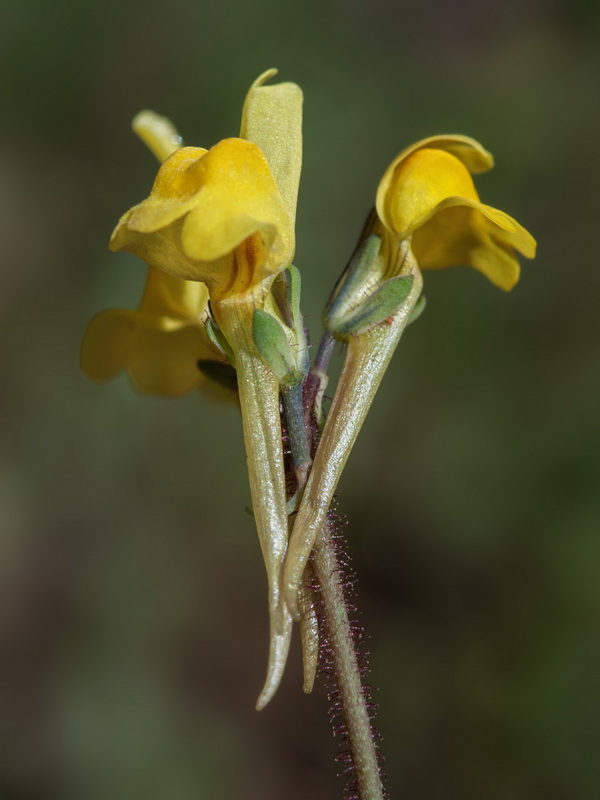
(133, 618)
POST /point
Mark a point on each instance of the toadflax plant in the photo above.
(221, 311)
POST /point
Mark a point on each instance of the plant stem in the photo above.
(335, 613)
(347, 671)
(293, 409)
(317, 378)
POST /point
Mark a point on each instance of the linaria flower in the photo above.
(427, 194)
(428, 215)
(225, 217)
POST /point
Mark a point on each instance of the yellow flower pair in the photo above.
(219, 223)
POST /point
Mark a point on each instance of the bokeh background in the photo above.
(133, 621)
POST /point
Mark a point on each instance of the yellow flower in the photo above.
(217, 222)
(428, 214)
(159, 344)
(427, 193)
(225, 216)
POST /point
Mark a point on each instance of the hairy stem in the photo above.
(347, 671)
(352, 699)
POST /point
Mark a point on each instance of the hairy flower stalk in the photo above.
(351, 695)
(323, 602)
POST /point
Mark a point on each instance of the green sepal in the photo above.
(273, 346)
(355, 280)
(379, 306)
(279, 293)
(298, 319)
(216, 336)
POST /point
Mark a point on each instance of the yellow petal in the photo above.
(471, 234)
(468, 151)
(160, 353)
(107, 344)
(164, 362)
(157, 132)
(238, 197)
(472, 154)
(421, 182)
(514, 234)
(159, 343)
(161, 248)
(272, 119)
(170, 296)
(174, 193)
